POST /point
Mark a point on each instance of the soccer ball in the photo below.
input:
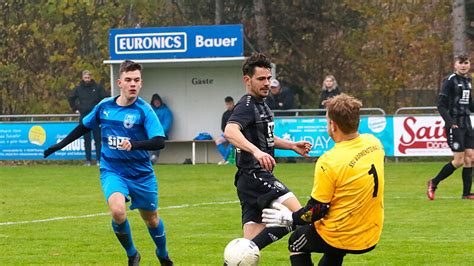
(241, 251)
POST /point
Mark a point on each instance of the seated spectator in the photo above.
(330, 89)
(223, 146)
(166, 119)
(280, 98)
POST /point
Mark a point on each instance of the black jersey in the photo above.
(256, 123)
(455, 101)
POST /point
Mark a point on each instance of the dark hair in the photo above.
(129, 65)
(344, 111)
(255, 60)
(228, 99)
(461, 58)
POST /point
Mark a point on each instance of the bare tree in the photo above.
(459, 27)
(262, 25)
(219, 12)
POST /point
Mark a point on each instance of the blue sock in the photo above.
(159, 236)
(221, 149)
(124, 235)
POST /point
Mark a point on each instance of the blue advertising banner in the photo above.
(176, 42)
(27, 141)
(314, 130)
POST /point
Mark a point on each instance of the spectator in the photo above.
(330, 89)
(223, 145)
(280, 98)
(82, 99)
(166, 118)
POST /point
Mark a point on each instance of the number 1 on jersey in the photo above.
(373, 172)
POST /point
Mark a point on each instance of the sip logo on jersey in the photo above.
(115, 142)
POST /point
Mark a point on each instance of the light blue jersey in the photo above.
(135, 122)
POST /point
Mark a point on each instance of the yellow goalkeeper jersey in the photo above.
(350, 177)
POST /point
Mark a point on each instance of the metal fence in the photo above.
(420, 110)
(321, 112)
(38, 117)
(429, 110)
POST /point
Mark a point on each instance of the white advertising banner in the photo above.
(420, 136)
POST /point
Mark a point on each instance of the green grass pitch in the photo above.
(201, 214)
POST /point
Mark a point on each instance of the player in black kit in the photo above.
(250, 130)
(455, 106)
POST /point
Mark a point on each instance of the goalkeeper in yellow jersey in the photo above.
(345, 211)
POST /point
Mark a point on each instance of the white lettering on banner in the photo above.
(214, 42)
(420, 135)
(319, 142)
(150, 43)
(77, 145)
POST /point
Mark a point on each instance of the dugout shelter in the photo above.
(193, 69)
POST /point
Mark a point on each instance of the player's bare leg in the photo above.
(121, 226)
(264, 236)
(252, 229)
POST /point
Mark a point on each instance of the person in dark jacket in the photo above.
(455, 106)
(82, 99)
(166, 118)
(330, 89)
(279, 98)
(222, 144)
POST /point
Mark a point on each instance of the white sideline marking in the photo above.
(107, 213)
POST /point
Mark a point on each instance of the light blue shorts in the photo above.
(143, 192)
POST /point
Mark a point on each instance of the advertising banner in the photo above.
(420, 136)
(314, 130)
(27, 141)
(176, 42)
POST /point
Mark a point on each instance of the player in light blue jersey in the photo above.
(129, 128)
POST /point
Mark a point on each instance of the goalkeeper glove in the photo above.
(278, 216)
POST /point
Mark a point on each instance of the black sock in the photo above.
(466, 180)
(303, 259)
(270, 235)
(331, 260)
(446, 171)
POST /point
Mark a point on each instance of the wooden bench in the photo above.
(193, 148)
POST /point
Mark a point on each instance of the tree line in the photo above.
(378, 50)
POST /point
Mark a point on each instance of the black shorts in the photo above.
(460, 139)
(256, 190)
(306, 239)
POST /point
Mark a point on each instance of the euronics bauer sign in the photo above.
(176, 42)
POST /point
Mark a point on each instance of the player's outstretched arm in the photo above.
(153, 144)
(234, 135)
(76, 133)
(300, 147)
(280, 216)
